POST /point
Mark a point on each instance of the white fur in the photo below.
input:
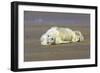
(59, 35)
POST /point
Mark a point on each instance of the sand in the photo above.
(34, 51)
